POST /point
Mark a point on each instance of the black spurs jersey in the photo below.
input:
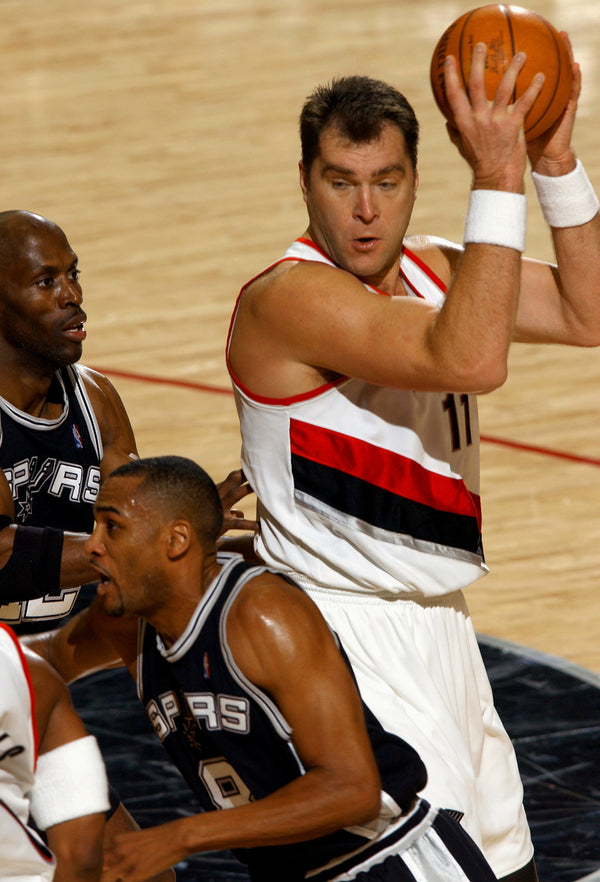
(230, 741)
(53, 470)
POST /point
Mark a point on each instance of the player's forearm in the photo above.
(75, 568)
(296, 813)
(304, 809)
(77, 845)
(578, 258)
(570, 206)
(35, 561)
(472, 335)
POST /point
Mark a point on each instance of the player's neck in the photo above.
(30, 395)
(28, 385)
(185, 591)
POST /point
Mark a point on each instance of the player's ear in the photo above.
(303, 179)
(179, 534)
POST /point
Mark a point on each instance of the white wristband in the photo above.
(496, 217)
(70, 781)
(568, 200)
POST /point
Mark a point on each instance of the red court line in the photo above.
(222, 390)
(544, 451)
(165, 381)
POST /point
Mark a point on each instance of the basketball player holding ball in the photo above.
(356, 360)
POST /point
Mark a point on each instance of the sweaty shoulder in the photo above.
(440, 255)
(272, 623)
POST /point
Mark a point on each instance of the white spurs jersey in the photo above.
(23, 855)
(362, 487)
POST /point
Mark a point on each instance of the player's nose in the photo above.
(70, 293)
(365, 206)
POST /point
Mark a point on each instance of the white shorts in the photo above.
(419, 669)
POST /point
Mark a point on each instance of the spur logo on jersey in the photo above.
(211, 712)
(54, 477)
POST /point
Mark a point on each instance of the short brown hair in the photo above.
(359, 107)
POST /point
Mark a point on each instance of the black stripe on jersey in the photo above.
(383, 509)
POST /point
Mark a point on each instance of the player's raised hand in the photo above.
(550, 152)
(489, 134)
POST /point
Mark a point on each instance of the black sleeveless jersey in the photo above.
(53, 470)
(230, 741)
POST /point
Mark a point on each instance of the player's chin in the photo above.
(72, 353)
(115, 611)
(112, 602)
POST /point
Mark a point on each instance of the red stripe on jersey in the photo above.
(390, 471)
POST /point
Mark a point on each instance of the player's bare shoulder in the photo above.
(115, 427)
(298, 284)
(267, 598)
(440, 255)
(272, 620)
(98, 387)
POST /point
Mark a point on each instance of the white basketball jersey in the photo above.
(23, 855)
(362, 487)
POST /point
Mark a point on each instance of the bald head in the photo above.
(41, 315)
(16, 230)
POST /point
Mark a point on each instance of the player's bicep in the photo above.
(295, 658)
(333, 323)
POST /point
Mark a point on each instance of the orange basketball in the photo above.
(506, 30)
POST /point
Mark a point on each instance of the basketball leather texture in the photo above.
(507, 30)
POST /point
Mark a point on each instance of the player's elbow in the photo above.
(479, 375)
(493, 378)
(364, 804)
(371, 805)
(586, 336)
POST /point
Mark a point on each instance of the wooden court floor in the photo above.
(163, 138)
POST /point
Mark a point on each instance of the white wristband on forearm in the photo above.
(496, 217)
(70, 781)
(568, 200)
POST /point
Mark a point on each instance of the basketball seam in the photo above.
(556, 82)
(506, 14)
(460, 54)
